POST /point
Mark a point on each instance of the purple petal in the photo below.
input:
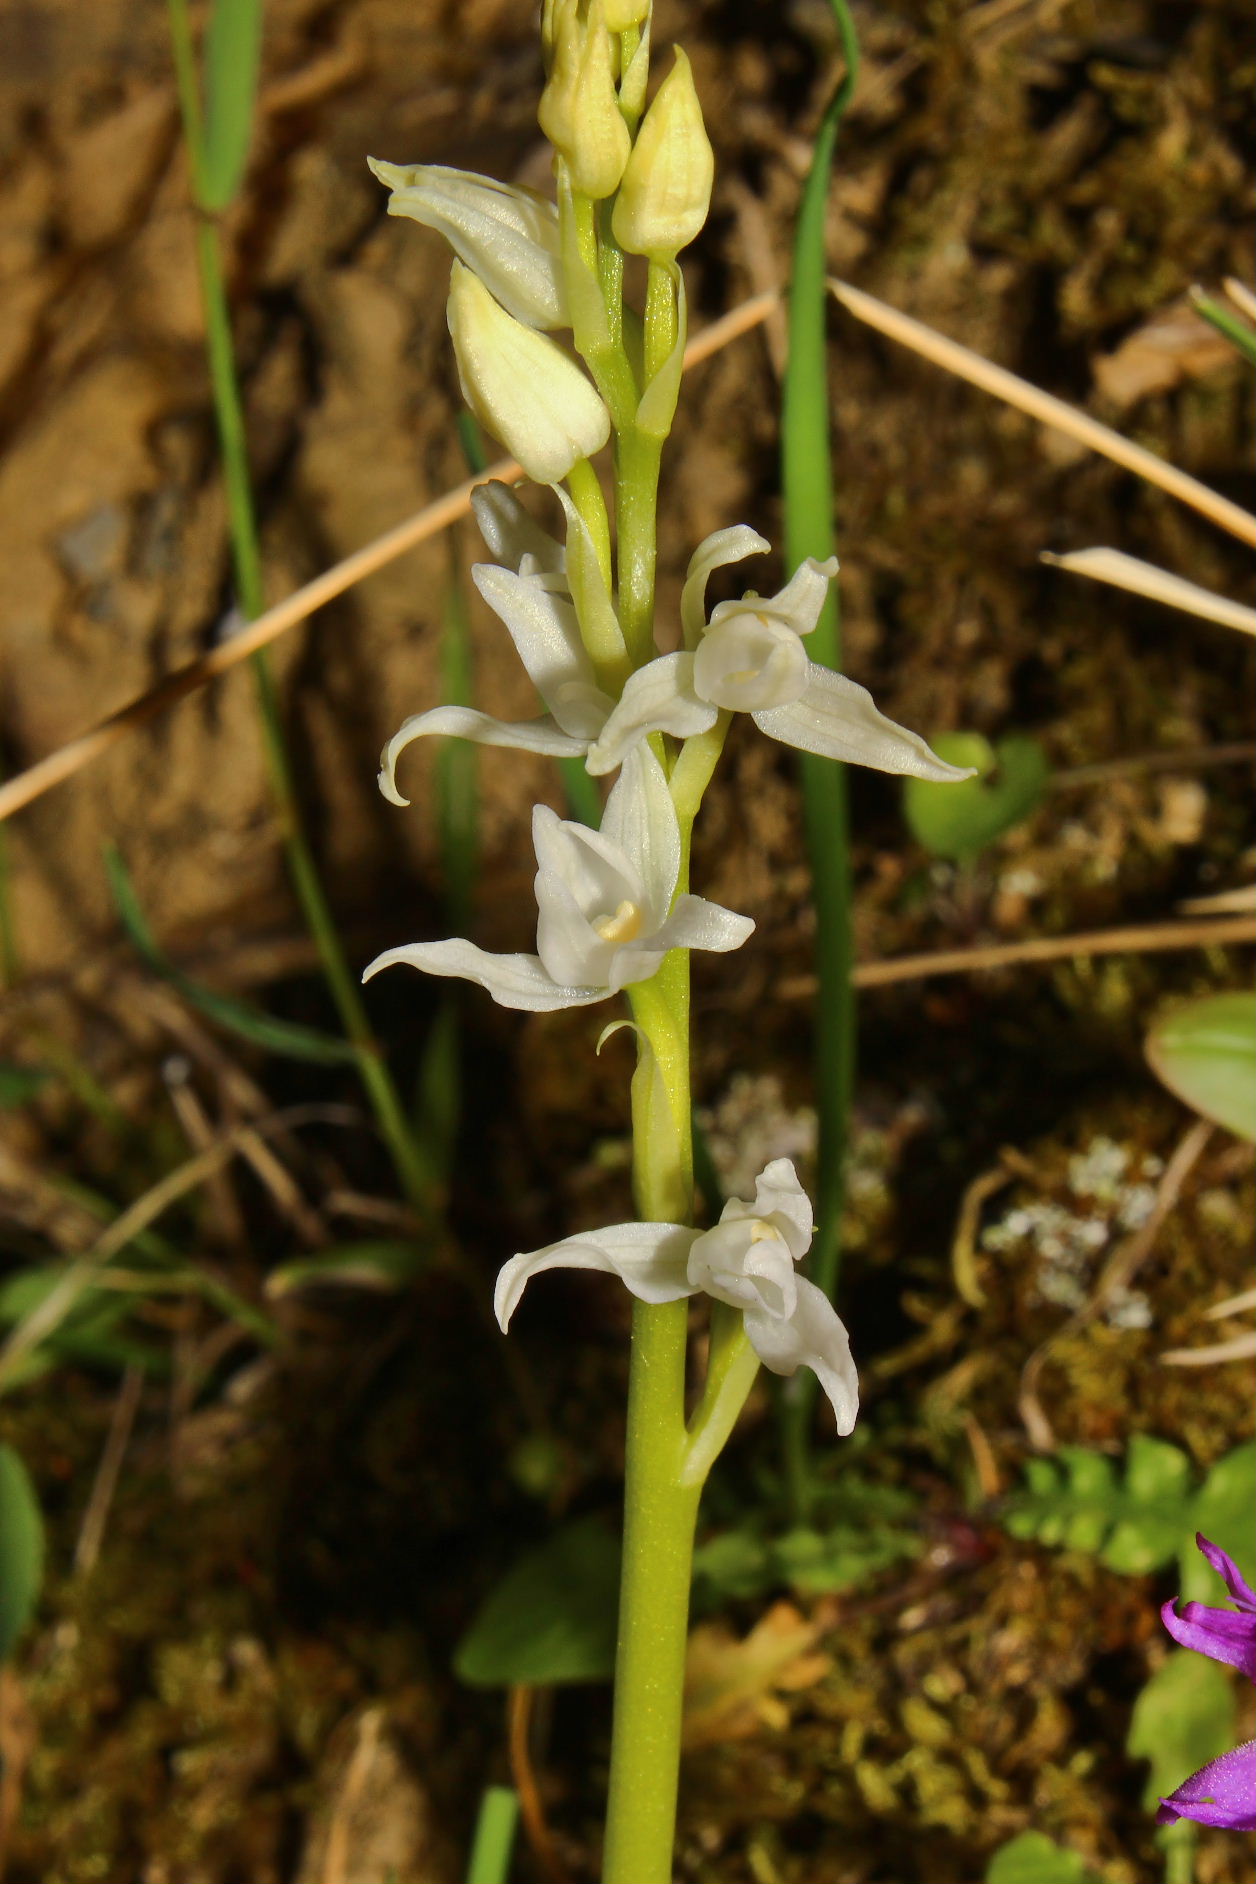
(1221, 1793)
(1215, 1632)
(1223, 1634)
(1241, 1592)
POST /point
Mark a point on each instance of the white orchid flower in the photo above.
(531, 597)
(509, 236)
(748, 1260)
(750, 658)
(605, 910)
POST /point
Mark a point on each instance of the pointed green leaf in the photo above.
(1183, 1718)
(958, 821)
(1205, 1053)
(21, 1549)
(552, 1618)
(233, 43)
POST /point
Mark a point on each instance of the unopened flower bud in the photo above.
(522, 386)
(579, 110)
(508, 236)
(623, 14)
(666, 189)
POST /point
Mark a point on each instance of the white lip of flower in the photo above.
(748, 1260)
(750, 658)
(605, 910)
(508, 236)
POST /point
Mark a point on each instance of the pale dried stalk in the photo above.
(1140, 578)
(1046, 408)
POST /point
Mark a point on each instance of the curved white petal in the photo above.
(510, 533)
(509, 236)
(571, 950)
(541, 622)
(658, 698)
(592, 864)
(837, 719)
(779, 1199)
(641, 819)
(648, 1257)
(747, 1264)
(799, 603)
(696, 923)
(749, 661)
(714, 552)
(517, 981)
(812, 1337)
(457, 722)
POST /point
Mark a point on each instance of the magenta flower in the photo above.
(1224, 1791)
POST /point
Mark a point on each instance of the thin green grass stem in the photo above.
(807, 482)
(494, 1837)
(246, 557)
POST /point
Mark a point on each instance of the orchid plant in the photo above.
(651, 702)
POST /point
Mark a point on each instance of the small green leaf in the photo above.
(552, 1617)
(263, 1030)
(1035, 1859)
(1157, 1504)
(959, 821)
(1183, 1718)
(384, 1265)
(1226, 322)
(233, 43)
(1222, 1512)
(1205, 1053)
(21, 1549)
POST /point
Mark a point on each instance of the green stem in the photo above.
(660, 1509)
(246, 558)
(807, 482)
(636, 502)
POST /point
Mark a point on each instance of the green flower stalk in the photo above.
(614, 911)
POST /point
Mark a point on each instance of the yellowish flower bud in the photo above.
(666, 189)
(522, 386)
(621, 14)
(579, 111)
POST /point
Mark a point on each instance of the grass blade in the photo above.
(233, 43)
(1236, 331)
(21, 1549)
(263, 1030)
(494, 1836)
(807, 483)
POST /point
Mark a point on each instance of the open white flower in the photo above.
(530, 595)
(605, 911)
(508, 235)
(750, 658)
(748, 1260)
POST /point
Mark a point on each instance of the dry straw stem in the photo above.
(39, 778)
(1140, 578)
(1044, 407)
(1242, 297)
(1139, 939)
